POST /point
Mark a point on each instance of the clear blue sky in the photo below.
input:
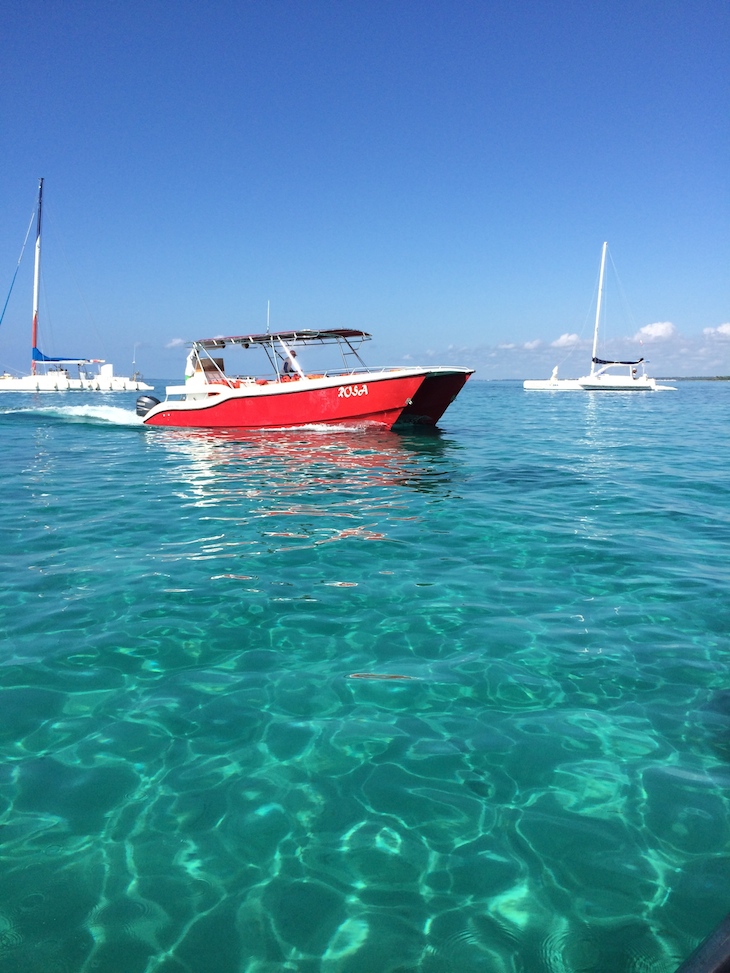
(442, 174)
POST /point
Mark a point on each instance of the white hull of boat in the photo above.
(620, 383)
(58, 382)
(598, 383)
(553, 385)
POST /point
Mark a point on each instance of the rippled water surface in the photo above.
(361, 702)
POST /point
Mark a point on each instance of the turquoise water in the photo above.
(356, 702)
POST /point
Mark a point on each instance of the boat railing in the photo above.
(224, 379)
(204, 383)
(359, 370)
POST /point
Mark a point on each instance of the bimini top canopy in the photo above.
(37, 355)
(602, 361)
(327, 336)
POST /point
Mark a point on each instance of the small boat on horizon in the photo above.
(49, 374)
(285, 395)
(605, 375)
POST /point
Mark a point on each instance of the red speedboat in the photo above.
(341, 390)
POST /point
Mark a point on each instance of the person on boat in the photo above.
(289, 368)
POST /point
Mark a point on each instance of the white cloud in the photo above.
(722, 330)
(658, 331)
(566, 341)
(507, 347)
(531, 345)
(176, 343)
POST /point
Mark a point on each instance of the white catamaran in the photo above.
(48, 374)
(604, 376)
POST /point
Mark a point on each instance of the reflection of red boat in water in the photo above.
(287, 462)
(349, 393)
(319, 484)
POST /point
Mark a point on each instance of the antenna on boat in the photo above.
(268, 311)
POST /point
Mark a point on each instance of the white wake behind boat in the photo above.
(48, 374)
(604, 376)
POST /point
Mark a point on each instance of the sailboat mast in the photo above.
(37, 277)
(598, 309)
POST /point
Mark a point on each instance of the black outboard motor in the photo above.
(145, 403)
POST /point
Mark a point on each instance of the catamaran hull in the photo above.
(281, 405)
(435, 394)
(556, 385)
(610, 384)
(614, 384)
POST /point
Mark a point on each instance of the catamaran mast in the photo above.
(598, 309)
(37, 277)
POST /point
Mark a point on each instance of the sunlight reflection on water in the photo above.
(347, 702)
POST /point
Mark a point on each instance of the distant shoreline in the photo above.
(660, 378)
